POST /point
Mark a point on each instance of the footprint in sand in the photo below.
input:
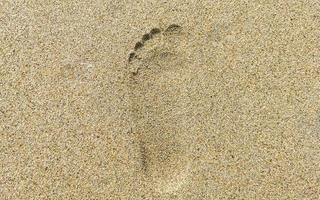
(158, 72)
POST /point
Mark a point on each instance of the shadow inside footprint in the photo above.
(173, 27)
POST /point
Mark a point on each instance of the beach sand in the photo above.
(159, 100)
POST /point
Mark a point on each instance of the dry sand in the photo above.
(221, 101)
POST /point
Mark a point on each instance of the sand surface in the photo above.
(159, 99)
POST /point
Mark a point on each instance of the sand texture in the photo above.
(144, 100)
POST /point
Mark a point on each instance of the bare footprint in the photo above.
(159, 107)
